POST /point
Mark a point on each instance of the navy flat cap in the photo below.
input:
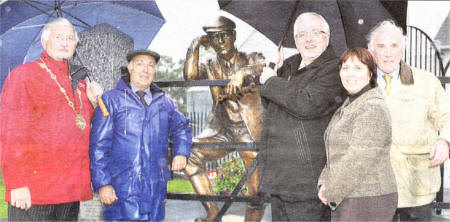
(151, 53)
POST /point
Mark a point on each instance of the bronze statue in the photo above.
(236, 115)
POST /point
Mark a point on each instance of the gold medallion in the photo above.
(80, 122)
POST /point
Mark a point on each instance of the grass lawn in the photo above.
(179, 186)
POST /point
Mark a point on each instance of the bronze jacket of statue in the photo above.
(298, 105)
(226, 112)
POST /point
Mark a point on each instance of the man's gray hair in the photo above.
(59, 21)
(386, 23)
(304, 14)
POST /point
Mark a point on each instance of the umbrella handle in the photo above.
(102, 107)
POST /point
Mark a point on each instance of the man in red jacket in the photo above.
(44, 132)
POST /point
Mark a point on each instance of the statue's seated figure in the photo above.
(236, 115)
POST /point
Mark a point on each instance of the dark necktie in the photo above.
(141, 95)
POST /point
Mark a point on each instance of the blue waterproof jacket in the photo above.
(128, 150)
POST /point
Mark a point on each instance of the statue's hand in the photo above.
(233, 106)
(258, 68)
(234, 86)
(204, 41)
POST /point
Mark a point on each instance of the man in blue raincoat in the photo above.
(128, 150)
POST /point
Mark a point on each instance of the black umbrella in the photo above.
(349, 20)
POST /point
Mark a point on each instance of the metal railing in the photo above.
(420, 52)
(197, 121)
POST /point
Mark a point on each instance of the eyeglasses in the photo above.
(314, 34)
(61, 38)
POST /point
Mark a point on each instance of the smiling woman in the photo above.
(358, 140)
(357, 69)
(354, 75)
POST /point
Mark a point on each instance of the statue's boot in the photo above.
(213, 210)
(202, 185)
(254, 212)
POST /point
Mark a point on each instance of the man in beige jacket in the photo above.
(420, 113)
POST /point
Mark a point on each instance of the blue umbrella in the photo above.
(21, 23)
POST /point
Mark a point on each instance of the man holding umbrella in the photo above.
(299, 97)
(44, 132)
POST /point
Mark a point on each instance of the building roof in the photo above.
(443, 35)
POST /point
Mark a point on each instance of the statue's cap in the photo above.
(151, 53)
(218, 24)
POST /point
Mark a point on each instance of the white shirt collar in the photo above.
(302, 64)
(394, 74)
(148, 95)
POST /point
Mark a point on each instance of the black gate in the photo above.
(421, 52)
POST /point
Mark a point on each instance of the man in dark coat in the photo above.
(299, 99)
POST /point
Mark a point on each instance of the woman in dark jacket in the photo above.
(358, 182)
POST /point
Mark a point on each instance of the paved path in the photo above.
(186, 210)
(176, 210)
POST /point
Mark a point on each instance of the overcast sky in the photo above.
(186, 17)
(184, 21)
(428, 15)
